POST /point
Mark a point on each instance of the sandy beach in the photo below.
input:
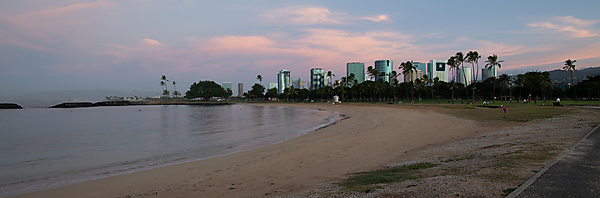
(372, 137)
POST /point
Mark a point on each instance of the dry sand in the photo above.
(372, 137)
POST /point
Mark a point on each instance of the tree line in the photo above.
(531, 85)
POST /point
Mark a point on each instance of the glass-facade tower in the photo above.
(317, 78)
(226, 85)
(356, 68)
(283, 81)
(384, 66)
(464, 76)
(421, 66)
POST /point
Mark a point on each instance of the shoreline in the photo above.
(362, 142)
(325, 119)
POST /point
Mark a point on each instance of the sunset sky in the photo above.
(122, 45)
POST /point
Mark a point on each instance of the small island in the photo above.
(10, 106)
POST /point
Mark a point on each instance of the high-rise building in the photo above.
(226, 85)
(356, 68)
(384, 66)
(283, 81)
(298, 83)
(421, 66)
(485, 73)
(413, 75)
(317, 78)
(463, 73)
(273, 85)
(439, 69)
(240, 89)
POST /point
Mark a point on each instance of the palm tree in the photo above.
(453, 64)
(473, 58)
(427, 81)
(289, 91)
(407, 69)
(504, 83)
(350, 79)
(460, 59)
(546, 82)
(259, 78)
(492, 62)
(175, 93)
(520, 82)
(394, 82)
(163, 82)
(330, 75)
(373, 73)
(570, 66)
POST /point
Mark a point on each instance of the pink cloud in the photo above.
(152, 42)
(309, 15)
(302, 15)
(378, 18)
(574, 21)
(41, 29)
(326, 48)
(577, 27)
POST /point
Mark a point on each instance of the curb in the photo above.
(527, 183)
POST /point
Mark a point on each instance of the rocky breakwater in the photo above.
(74, 105)
(130, 103)
(10, 106)
(98, 104)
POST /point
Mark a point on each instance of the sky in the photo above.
(124, 45)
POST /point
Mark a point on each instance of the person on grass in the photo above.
(505, 111)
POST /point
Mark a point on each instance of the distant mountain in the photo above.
(78, 95)
(561, 76)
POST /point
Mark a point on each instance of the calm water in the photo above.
(44, 148)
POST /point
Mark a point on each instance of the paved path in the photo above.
(576, 174)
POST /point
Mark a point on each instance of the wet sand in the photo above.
(372, 137)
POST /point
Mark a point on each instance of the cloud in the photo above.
(302, 15)
(152, 42)
(45, 28)
(577, 27)
(379, 18)
(228, 55)
(575, 21)
(312, 15)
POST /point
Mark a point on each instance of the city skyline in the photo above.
(116, 45)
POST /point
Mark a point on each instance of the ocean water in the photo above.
(43, 148)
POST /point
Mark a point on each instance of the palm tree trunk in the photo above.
(573, 82)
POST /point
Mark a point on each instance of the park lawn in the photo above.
(517, 112)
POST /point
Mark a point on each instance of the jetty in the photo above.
(133, 103)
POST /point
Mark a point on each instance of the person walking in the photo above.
(505, 111)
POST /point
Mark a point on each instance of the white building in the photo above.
(413, 75)
(273, 85)
(439, 69)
